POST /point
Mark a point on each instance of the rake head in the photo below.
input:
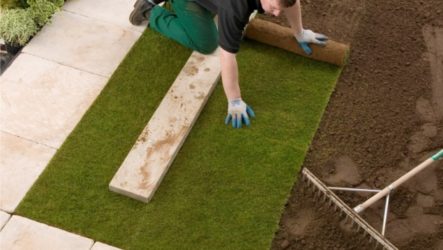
(323, 194)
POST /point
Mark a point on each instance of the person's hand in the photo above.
(308, 36)
(239, 112)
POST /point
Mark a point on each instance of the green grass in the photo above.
(225, 190)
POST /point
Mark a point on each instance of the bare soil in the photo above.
(384, 117)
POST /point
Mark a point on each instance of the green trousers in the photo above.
(189, 24)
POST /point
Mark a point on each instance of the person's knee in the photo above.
(208, 46)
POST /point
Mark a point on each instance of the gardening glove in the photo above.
(238, 112)
(308, 36)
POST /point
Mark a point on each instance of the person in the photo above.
(191, 23)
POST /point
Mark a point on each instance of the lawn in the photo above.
(225, 190)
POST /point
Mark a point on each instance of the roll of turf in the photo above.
(282, 37)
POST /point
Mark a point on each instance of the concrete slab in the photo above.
(101, 246)
(4, 217)
(43, 101)
(84, 43)
(112, 11)
(155, 149)
(25, 234)
(21, 163)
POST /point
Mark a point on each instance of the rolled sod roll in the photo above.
(282, 37)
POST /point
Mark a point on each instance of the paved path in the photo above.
(24, 234)
(43, 95)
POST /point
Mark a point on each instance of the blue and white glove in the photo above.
(308, 36)
(239, 112)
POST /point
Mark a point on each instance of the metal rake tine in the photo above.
(312, 188)
(309, 188)
(349, 220)
(322, 201)
(366, 234)
(313, 199)
(376, 245)
(370, 238)
(324, 197)
(337, 209)
(346, 218)
(353, 223)
(306, 180)
(317, 195)
(343, 216)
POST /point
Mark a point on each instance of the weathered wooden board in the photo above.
(148, 161)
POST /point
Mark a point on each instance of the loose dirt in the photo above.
(384, 118)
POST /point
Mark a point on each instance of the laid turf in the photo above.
(225, 190)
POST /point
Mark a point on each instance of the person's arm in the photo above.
(304, 37)
(238, 111)
(293, 15)
(229, 72)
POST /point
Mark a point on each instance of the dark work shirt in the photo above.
(233, 15)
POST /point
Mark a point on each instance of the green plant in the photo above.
(58, 3)
(10, 4)
(17, 26)
(41, 11)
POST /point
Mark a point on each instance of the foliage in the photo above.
(17, 26)
(58, 3)
(10, 4)
(41, 11)
(19, 23)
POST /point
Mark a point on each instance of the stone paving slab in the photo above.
(4, 217)
(43, 101)
(112, 11)
(25, 234)
(101, 246)
(148, 161)
(84, 43)
(21, 163)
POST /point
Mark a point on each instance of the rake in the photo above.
(326, 194)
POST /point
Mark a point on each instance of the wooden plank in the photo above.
(155, 149)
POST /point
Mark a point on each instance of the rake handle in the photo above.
(398, 182)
